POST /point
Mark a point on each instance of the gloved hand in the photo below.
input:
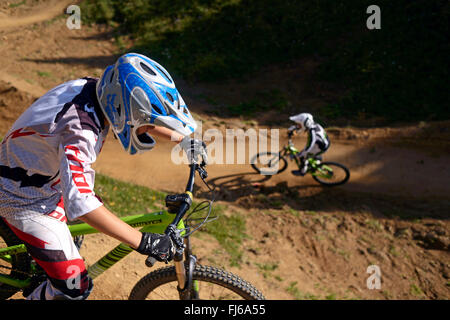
(158, 246)
(193, 149)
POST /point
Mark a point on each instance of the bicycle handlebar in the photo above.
(184, 207)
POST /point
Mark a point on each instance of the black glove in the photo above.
(158, 246)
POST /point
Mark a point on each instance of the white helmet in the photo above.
(304, 120)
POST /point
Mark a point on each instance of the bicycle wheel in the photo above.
(269, 163)
(17, 266)
(331, 174)
(213, 284)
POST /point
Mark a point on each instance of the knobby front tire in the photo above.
(269, 163)
(213, 284)
(338, 175)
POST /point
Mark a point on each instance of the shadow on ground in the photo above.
(248, 190)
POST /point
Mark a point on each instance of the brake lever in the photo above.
(202, 172)
(171, 231)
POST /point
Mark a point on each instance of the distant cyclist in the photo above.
(46, 158)
(318, 141)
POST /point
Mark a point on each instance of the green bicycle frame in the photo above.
(156, 222)
(6, 255)
(291, 151)
(314, 167)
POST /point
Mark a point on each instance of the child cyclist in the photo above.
(318, 141)
(46, 158)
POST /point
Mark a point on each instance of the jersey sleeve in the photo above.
(76, 173)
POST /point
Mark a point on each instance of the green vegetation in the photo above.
(267, 268)
(272, 100)
(297, 294)
(229, 232)
(374, 225)
(398, 73)
(125, 198)
(15, 5)
(415, 290)
(44, 74)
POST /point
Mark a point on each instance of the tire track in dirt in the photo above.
(40, 13)
(376, 169)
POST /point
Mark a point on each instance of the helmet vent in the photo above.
(147, 69)
(169, 96)
(156, 108)
(164, 74)
(168, 108)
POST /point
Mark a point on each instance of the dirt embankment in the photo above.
(303, 241)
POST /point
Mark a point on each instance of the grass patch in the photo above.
(18, 4)
(44, 74)
(415, 290)
(374, 225)
(297, 294)
(124, 198)
(263, 101)
(229, 232)
(267, 268)
(393, 251)
(331, 296)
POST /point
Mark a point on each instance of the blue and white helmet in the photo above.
(138, 91)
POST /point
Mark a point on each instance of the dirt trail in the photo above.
(304, 241)
(378, 168)
(45, 12)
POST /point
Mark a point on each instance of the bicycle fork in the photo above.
(187, 287)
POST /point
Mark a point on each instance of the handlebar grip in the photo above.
(150, 261)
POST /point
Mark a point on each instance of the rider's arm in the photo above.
(192, 147)
(292, 130)
(79, 137)
(162, 132)
(106, 222)
(159, 246)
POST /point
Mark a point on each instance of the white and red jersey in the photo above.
(46, 157)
